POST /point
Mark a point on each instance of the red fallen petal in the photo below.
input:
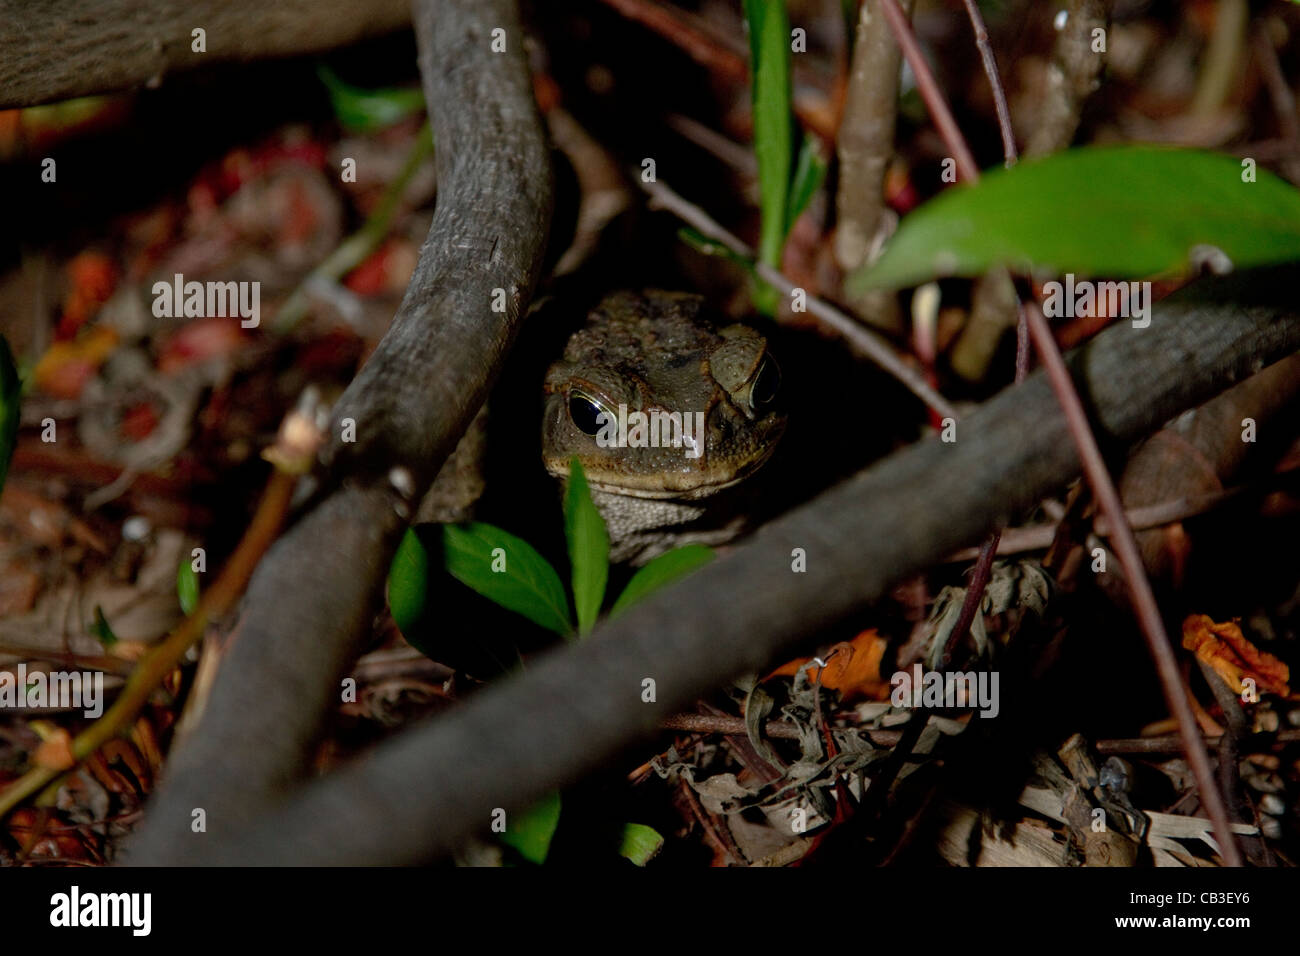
(371, 276)
(302, 220)
(139, 421)
(200, 339)
(92, 276)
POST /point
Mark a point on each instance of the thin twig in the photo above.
(102, 662)
(868, 343)
(1173, 743)
(705, 820)
(930, 92)
(988, 551)
(1125, 544)
(979, 580)
(991, 70)
(776, 729)
(1038, 537)
(1094, 467)
(1279, 91)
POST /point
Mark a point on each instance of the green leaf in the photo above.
(101, 629)
(363, 110)
(10, 398)
(809, 173)
(1121, 211)
(408, 581)
(187, 586)
(663, 570)
(769, 52)
(530, 832)
(710, 247)
(525, 583)
(640, 843)
(584, 529)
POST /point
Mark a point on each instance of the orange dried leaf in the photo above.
(852, 668)
(1225, 649)
(55, 751)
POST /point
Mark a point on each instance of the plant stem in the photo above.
(354, 250)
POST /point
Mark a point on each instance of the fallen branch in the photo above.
(68, 48)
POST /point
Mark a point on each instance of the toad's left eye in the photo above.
(586, 413)
(766, 384)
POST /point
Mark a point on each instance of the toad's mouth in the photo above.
(682, 486)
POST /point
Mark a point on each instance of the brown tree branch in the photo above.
(65, 48)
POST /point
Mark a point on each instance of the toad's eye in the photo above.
(766, 383)
(585, 412)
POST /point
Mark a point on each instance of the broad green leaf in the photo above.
(663, 570)
(530, 832)
(101, 628)
(408, 581)
(769, 66)
(809, 172)
(509, 571)
(10, 398)
(1120, 211)
(366, 110)
(584, 529)
(640, 843)
(187, 586)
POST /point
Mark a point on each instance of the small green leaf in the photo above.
(363, 110)
(640, 843)
(709, 247)
(769, 66)
(663, 570)
(408, 581)
(530, 832)
(584, 529)
(1121, 211)
(187, 586)
(524, 582)
(101, 629)
(809, 173)
(10, 398)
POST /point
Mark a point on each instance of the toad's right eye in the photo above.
(585, 412)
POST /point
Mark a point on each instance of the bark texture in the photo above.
(59, 49)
